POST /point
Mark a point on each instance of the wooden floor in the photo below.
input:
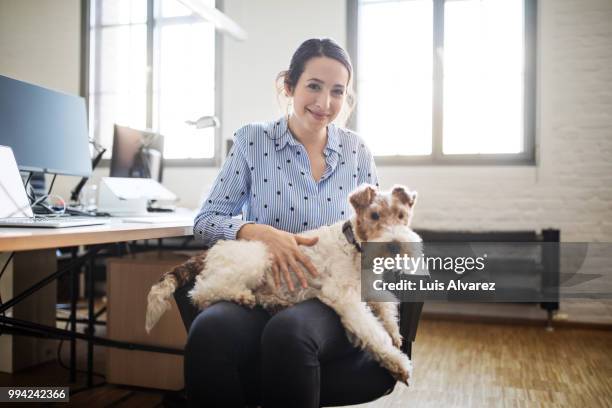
(486, 365)
(456, 365)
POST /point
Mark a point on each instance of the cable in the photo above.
(52, 182)
(30, 174)
(44, 205)
(20, 209)
(54, 208)
(32, 203)
(40, 201)
(99, 153)
(29, 193)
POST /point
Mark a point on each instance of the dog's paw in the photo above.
(406, 370)
(402, 377)
(246, 298)
(396, 337)
(401, 368)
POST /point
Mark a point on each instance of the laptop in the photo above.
(15, 210)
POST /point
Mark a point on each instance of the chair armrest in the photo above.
(409, 316)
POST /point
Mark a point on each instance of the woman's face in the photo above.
(320, 93)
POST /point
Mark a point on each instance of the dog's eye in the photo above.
(374, 215)
(401, 216)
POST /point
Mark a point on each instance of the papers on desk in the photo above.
(186, 217)
(126, 188)
(124, 196)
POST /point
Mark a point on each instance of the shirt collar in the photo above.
(333, 140)
(282, 136)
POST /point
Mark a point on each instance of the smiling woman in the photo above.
(285, 177)
(321, 59)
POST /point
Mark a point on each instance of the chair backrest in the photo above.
(187, 310)
(409, 316)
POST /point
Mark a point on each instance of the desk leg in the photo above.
(18, 352)
(74, 279)
(90, 320)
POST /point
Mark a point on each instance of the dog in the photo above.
(221, 274)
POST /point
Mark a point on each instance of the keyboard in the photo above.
(52, 222)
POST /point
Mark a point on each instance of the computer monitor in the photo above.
(137, 153)
(46, 129)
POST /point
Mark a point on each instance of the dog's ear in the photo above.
(403, 195)
(363, 196)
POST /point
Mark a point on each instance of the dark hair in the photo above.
(313, 48)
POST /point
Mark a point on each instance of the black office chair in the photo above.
(410, 314)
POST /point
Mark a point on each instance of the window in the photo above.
(152, 66)
(445, 81)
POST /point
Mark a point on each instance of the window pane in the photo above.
(395, 76)
(122, 11)
(123, 57)
(128, 109)
(183, 74)
(483, 76)
(119, 87)
(173, 8)
(184, 88)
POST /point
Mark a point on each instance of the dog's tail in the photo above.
(158, 300)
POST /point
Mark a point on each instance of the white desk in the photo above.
(35, 260)
(26, 239)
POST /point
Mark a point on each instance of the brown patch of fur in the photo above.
(400, 193)
(401, 203)
(363, 197)
(188, 270)
(366, 227)
(401, 210)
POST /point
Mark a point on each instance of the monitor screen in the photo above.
(137, 153)
(46, 129)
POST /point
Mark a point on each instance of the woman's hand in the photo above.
(285, 252)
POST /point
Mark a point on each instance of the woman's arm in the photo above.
(229, 192)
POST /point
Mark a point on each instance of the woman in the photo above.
(285, 177)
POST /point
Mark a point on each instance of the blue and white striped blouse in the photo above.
(267, 179)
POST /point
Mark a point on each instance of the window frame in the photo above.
(526, 158)
(87, 58)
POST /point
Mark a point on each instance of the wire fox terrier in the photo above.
(373, 326)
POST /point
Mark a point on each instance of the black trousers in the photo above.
(299, 357)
